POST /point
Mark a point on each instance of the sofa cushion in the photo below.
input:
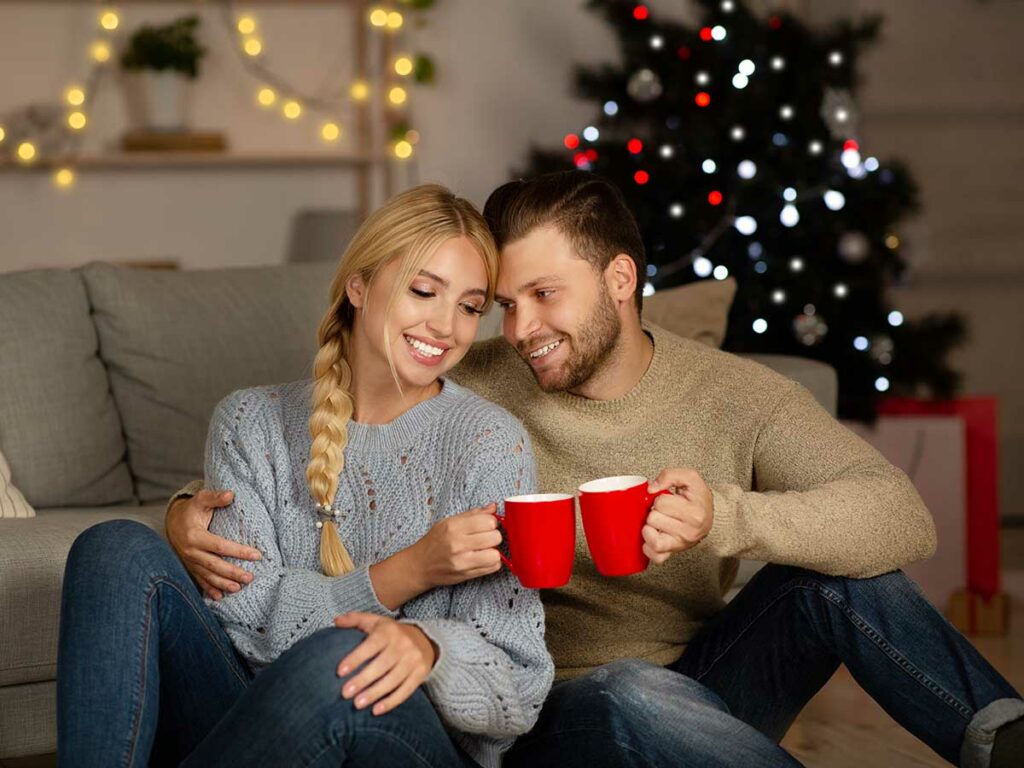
(697, 311)
(175, 343)
(32, 557)
(59, 428)
(12, 503)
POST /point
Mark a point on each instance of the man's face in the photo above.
(558, 312)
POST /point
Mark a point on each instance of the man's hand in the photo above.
(201, 552)
(678, 521)
(459, 548)
(397, 658)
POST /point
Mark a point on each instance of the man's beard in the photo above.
(589, 351)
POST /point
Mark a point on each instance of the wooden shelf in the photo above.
(140, 161)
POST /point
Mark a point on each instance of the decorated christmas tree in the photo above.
(736, 145)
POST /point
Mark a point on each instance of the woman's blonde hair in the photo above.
(410, 226)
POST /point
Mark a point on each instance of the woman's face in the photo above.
(433, 320)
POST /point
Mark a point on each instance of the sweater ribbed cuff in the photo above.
(723, 538)
(442, 668)
(354, 592)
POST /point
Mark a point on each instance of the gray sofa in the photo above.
(107, 379)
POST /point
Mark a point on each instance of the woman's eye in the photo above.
(472, 310)
(422, 293)
(544, 294)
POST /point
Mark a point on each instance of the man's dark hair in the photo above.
(587, 209)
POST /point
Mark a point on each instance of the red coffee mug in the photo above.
(541, 533)
(614, 511)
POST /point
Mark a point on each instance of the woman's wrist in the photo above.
(399, 578)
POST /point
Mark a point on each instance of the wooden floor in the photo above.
(842, 727)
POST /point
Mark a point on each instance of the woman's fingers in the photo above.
(374, 670)
(385, 685)
(400, 694)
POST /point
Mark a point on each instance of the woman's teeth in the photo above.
(426, 349)
(544, 350)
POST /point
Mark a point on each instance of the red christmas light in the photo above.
(715, 197)
(683, 52)
(705, 34)
(641, 177)
(635, 146)
(580, 158)
(774, 22)
(640, 12)
(591, 155)
(702, 99)
(850, 144)
(571, 141)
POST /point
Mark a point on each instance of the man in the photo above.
(656, 664)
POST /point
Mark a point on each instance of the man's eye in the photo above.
(544, 294)
(421, 293)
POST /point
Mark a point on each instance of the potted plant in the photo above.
(160, 62)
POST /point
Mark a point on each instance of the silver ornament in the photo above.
(839, 111)
(809, 329)
(644, 86)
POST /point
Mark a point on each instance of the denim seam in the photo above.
(377, 731)
(140, 693)
(862, 626)
(553, 735)
(232, 662)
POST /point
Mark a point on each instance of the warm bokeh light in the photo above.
(330, 132)
(77, 120)
(247, 25)
(253, 46)
(403, 149)
(75, 96)
(266, 97)
(360, 90)
(379, 17)
(100, 51)
(109, 21)
(403, 66)
(65, 177)
(395, 20)
(397, 95)
(26, 152)
(292, 109)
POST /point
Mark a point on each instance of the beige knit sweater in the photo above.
(791, 485)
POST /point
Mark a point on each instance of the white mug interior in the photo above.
(607, 484)
(534, 498)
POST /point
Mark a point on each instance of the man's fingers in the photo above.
(207, 589)
(221, 567)
(403, 692)
(655, 557)
(666, 523)
(661, 542)
(218, 583)
(214, 499)
(677, 477)
(228, 548)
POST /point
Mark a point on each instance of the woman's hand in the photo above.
(397, 658)
(459, 548)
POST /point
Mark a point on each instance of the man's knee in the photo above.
(633, 688)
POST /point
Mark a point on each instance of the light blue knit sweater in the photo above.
(446, 455)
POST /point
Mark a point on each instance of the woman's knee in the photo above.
(312, 663)
(118, 545)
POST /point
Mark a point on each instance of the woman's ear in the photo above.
(355, 289)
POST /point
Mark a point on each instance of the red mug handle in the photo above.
(650, 497)
(504, 559)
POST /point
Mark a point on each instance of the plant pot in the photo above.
(157, 100)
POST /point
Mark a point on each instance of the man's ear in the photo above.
(355, 289)
(621, 278)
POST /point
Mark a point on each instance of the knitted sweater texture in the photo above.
(444, 456)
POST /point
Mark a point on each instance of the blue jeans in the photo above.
(754, 666)
(147, 676)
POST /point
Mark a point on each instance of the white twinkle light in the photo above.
(871, 164)
(861, 343)
(840, 290)
(778, 63)
(850, 158)
(739, 81)
(790, 216)
(786, 112)
(708, 166)
(721, 272)
(834, 200)
(760, 325)
(815, 147)
(737, 133)
(789, 194)
(702, 266)
(882, 384)
(727, 6)
(796, 264)
(702, 78)
(746, 225)
(590, 133)
(657, 42)
(718, 32)
(747, 169)
(842, 115)
(676, 210)
(666, 151)
(611, 108)
(778, 296)
(648, 289)
(835, 58)
(895, 318)
(746, 67)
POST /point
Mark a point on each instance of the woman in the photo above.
(378, 628)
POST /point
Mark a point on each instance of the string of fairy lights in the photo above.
(53, 133)
(837, 111)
